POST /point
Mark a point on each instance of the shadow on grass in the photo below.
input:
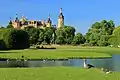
(7, 52)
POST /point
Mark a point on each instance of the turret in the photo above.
(60, 19)
(16, 23)
(48, 22)
(22, 20)
(16, 19)
(10, 22)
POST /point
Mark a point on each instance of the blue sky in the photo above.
(80, 14)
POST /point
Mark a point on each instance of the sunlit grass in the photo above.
(51, 54)
(62, 52)
(56, 73)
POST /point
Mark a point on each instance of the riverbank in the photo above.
(56, 73)
(59, 53)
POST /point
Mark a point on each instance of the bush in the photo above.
(2, 45)
(15, 39)
(85, 44)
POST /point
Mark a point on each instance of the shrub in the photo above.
(2, 45)
(15, 39)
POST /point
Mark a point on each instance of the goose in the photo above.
(87, 65)
(106, 71)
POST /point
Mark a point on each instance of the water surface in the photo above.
(109, 63)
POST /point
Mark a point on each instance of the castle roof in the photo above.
(23, 19)
(61, 14)
(49, 20)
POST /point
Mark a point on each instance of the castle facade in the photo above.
(23, 22)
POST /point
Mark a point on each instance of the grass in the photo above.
(62, 52)
(59, 73)
(56, 73)
(52, 54)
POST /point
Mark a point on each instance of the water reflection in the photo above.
(111, 63)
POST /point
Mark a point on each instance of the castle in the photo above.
(23, 22)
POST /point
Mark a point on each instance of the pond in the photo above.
(109, 63)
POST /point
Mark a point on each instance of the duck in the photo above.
(88, 65)
(106, 71)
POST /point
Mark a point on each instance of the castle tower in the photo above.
(48, 22)
(22, 20)
(16, 23)
(60, 19)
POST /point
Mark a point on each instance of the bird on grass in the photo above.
(88, 65)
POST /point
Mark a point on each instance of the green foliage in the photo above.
(41, 36)
(2, 45)
(78, 39)
(103, 40)
(99, 33)
(14, 39)
(10, 25)
(115, 38)
(69, 34)
(48, 34)
(65, 35)
(33, 34)
(60, 36)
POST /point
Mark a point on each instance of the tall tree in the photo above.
(10, 25)
(95, 34)
(60, 39)
(78, 39)
(33, 34)
(115, 38)
(69, 34)
(48, 34)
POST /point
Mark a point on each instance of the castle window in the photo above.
(34, 22)
(29, 22)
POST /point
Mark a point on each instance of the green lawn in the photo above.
(56, 73)
(62, 52)
(53, 54)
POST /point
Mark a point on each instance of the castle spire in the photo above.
(60, 10)
(49, 16)
(16, 19)
(10, 21)
(49, 20)
(16, 15)
(60, 19)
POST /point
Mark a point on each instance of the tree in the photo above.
(20, 39)
(10, 25)
(14, 39)
(2, 45)
(103, 40)
(115, 38)
(78, 39)
(41, 36)
(33, 34)
(48, 32)
(69, 34)
(95, 34)
(60, 39)
(111, 27)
